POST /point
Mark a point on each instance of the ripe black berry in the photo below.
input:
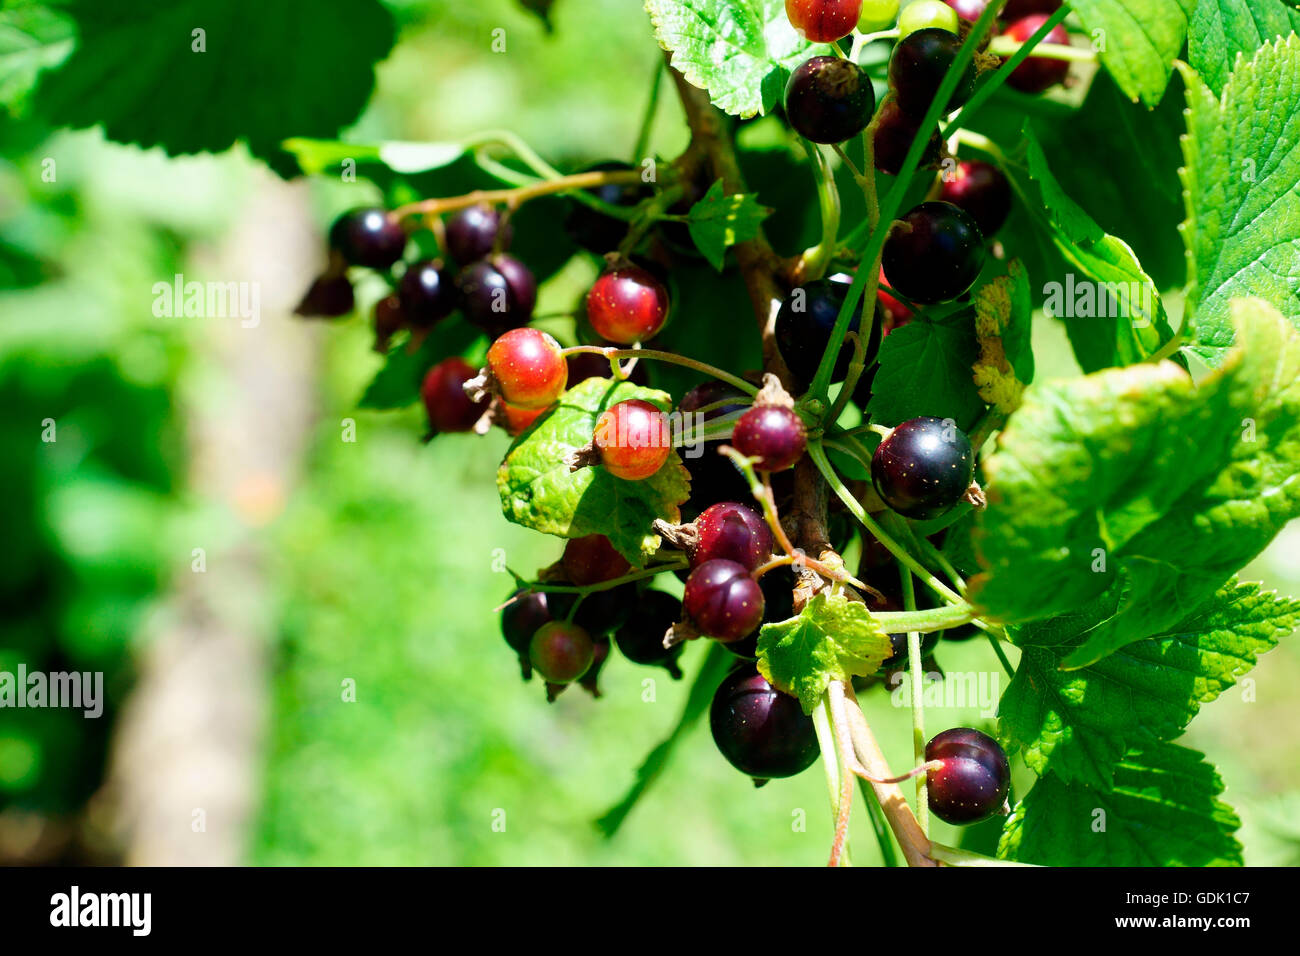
(804, 323)
(918, 65)
(771, 433)
(733, 532)
(443, 393)
(369, 237)
(329, 297)
(829, 99)
(893, 138)
(476, 232)
(427, 293)
(389, 320)
(595, 231)
(602, 611)
(498, 294)
(982, 190)
(761, 731)
(723, 600)
(641, 637)
(936, 255)
(923, 468)
(778, 605)
(561, 651)
(974, 780)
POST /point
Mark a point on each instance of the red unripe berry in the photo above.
(591, 560)
(823, 21)
(771, 433)
(723, 600)
(1037, 73)
(733, 532)
(515, 420)
(896, 313)
(528, 367)
(443, 392)
(627, 305)
(633, 439)
(561, 651)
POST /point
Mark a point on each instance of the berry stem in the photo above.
(1006, 46)
(915, 672)
(656, 355)
(518, 195)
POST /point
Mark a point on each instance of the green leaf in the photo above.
(265, 71)
(925, 369)
(397, 383)
(718, 222)
(1078, 724)
(1142, 38)
(1162, 811)
(538, 491)
(833, 638)
(316, 156)
(1112, 311)
(1242, 157)
(1223, 29)
(729, 47)
(1142, 480)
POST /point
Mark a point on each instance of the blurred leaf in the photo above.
(318, 155)
(1223, 29)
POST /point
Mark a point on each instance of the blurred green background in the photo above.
(375, 561)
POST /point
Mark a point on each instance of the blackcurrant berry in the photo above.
(1037, 73)
(924, 14)
(771, 433)
(778, 605)
(723, 600)
(633, 439)
(923, 468)
(1017, 9)
(427, 293)
(627, 305)
(561, 651)
(918, 65)
(528, 368)
(829, 99)
(599, 654)
(804, 323)
(524, 614)
(641, 637)
(498, 294)
(936, 255)
(389, 320)
(369, 236)
(982, 190)
(733, 532)
(974, 780)
(476, 232)
(595, 231)
(761, 731)
(969, 10)
(823, 21)
(445, 401)
(329, 297)
(602, 611)
(592, 559)
(893, 138)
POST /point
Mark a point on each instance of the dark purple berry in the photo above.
(761, 731)
(641, 637)
(918, 65)
(974, 780)
(723, 600)
(773, 434)
(443, 393)
(473, 233)
(427, 293)
(923, 468)
(829, 99)
(523, 615)
(804, 323)
(389, 320)
(936, 255)
(370, 237)
(893, 137)
(733, 532)
(599, 654)
(498, 294)
(329, 297)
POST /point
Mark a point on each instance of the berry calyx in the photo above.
(877, 15)
(923, 468)
(924, 14)
(427, 293)
(591, 559)
(829, 99)
(627, 305)
(723, 600)
(561, 651)
(498, 294)
(528, 368)
(732, 532)
(918, 65)
(893, 137)
(633, 440)
(1037, 73)
(443, 393)
(761, 731)
(641, 637)
(982, 190)
(804, 323)
(974, 780)
(773, 434)
(936, 255)
(476, 232)
(823, 21)
(368, 236)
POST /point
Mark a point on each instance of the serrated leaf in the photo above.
(1162, 811)
(538, 491)
(718, 221)
(1140, 479)
(315, 156)
(1141, 40)
(730, 47)
(1078, 724)
(1003, 313)
(263, 71)
(832, 638)
(925, 369)
(1221, 30)
(1242, 156)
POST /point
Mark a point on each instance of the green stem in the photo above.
(673, 358)
(648, 117)
(830, 761)
(925, 621)
(1006, 46)
(1002, 655)
(914, 667)
(819, 256)
(878, 824)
